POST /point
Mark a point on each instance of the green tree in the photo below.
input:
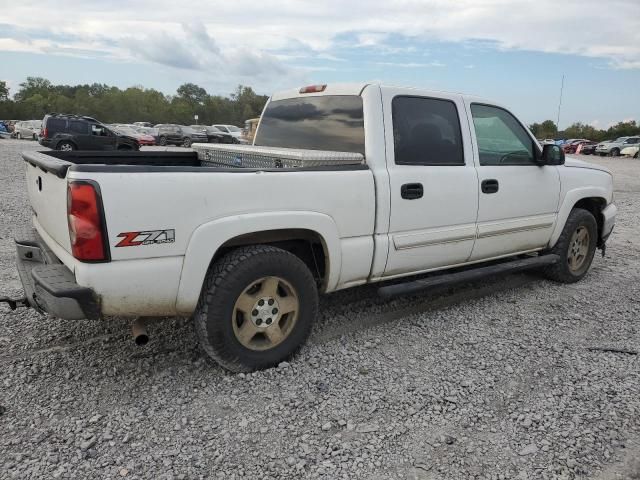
(546, 129)
(4, 91)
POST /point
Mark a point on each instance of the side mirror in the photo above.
(552, 155)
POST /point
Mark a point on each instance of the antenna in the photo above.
(560, 103)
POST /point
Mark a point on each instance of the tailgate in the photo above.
(48, 198)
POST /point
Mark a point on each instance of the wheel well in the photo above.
(307, 245)
(594, 205)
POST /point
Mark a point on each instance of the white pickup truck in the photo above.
(433, 182)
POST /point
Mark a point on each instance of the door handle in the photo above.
(411, 191)
(490, 185)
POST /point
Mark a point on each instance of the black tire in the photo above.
(18, 136)
(125, 148)
(561, 271)
(186, 143)
(636, 155)
(226, 281)
(35, 137)
(162, 141)
(66, 146)
(615, 152)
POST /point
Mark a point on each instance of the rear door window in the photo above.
(56, 124)
(426, 131)
(330, 122)
(78, 127)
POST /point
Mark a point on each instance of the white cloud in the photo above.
(248, 38)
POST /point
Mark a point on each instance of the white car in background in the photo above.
(630, 151)
(28, 129)
(230, 129)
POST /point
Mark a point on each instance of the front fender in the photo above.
(209, 237)
(570, 199)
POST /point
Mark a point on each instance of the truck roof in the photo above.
(357, 88)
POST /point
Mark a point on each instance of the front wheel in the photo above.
(186, 143)
(575, 247)
(162, 141)
(615, 152)
(256, 308)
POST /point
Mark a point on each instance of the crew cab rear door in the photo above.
(433, 180)
(518, 199)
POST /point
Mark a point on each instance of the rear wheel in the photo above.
(18, 136)
(35, 136)
(576, 247)
(186, 142)
(256, 309)
(66, 146)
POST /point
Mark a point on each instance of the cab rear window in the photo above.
(331, 122)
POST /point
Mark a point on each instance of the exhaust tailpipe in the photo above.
(139, 332)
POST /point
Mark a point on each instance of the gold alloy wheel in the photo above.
(578, 248)
(265, 313)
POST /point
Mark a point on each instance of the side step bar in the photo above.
(466, 275)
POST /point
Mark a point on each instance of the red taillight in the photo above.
(44, 133)
(84, 212)
(313, 89)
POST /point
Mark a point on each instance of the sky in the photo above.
(512, 51)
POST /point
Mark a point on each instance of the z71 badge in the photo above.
(149, 237)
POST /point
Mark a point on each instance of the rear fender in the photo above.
(209, 237)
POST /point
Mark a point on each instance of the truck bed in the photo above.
(59, 163)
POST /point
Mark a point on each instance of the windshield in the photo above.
(620, 139)
(191, 130)
(331, 122)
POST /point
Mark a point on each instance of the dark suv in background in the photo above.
(170, 134)
(72, 132)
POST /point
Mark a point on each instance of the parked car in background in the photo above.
(143, 124)
(630, 151)
(73, 132)
(570, 145)
(142, 138)
(215, 135)
(4, 130)
(614, 147)
(171, 134)
(588, 148)
(230, 129)
(28, 129)
(148, 131)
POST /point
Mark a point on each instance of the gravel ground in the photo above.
(494, 380)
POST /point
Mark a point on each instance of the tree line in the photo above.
(548, 129)
(38, 96)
